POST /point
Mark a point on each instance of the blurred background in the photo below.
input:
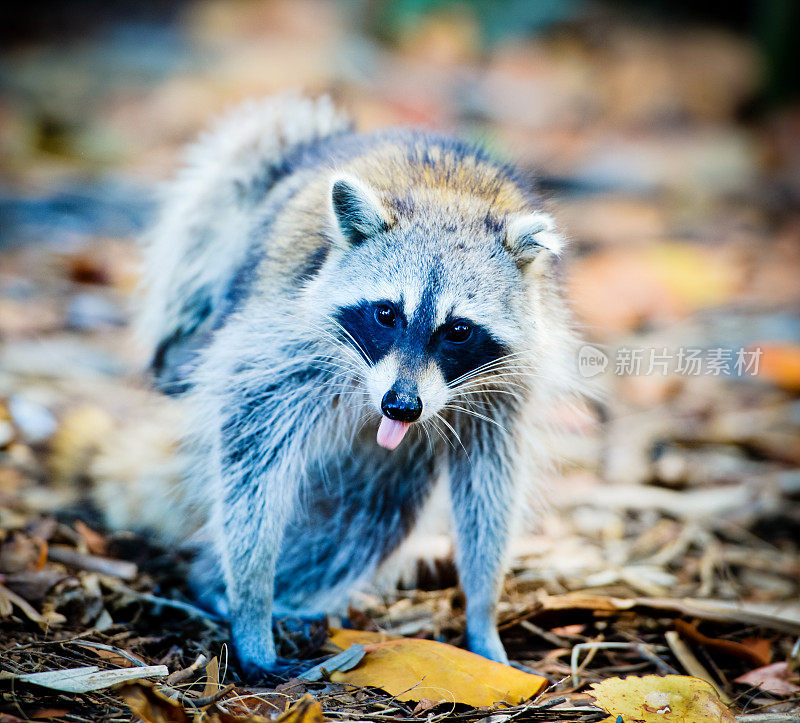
(666, 136)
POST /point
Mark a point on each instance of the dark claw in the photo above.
(299, 637)
(282, 670)
(296, 639)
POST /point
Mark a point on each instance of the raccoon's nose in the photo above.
(401, 407)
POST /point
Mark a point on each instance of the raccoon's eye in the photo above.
(385, 316)
(458, 333)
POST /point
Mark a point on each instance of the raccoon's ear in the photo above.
(357, 210)
(529, 234)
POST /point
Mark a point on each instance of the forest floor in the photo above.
(668, 543)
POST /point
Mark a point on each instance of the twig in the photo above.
(191, 610)
(692, 665)
(551, 638)
(646, 651)
(209, 699)
(117, 651)
(179, 676)
(93, 563)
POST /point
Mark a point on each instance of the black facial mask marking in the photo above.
(414, 342)
(363, 331)
(455, 360)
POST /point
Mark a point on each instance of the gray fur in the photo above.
(246, 273)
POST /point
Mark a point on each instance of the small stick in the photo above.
(692, 665)
(179, 676)
(551, 638)
(209, 699)
(117, 651)
(93, 563)
(593, 647)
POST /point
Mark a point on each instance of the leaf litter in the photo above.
(671, 545)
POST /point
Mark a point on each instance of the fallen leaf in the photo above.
(775, 678)
(346, 660)
(212, 677)
(412, 669)
(306, 710)
(760, 647)
(150, 705)
(780, 364)
(20, 553)
(95, 542)
(49, 713)
(667, 699)
(345, 638)
(757, 655)
(617, 290)
(88, 678)
(9, 598)
(424, 706)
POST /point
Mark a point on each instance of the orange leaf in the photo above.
(757, 656)
(345, 638)
(412, 669)
(780, 364)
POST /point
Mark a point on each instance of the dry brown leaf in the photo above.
(95, 542)
(212, 677)
(151, 705)
(424, 706)
(412, 669)
(306, 710)
(758, 655)
(653, 699)
(776, 678)
(760, 648)
(9, 598)
(718, 610)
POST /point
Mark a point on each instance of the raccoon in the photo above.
(351, 317)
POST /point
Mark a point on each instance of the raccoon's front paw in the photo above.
(255, 650)
(279, 670)
(487, 643)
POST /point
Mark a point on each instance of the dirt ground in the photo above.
(668, 542)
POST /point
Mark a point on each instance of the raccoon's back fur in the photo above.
(347, 318)
(197, 252)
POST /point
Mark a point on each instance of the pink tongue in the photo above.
(391, 433)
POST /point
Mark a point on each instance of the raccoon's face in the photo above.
(434, 306)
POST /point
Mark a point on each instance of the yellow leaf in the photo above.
(695, 277)
(345, 638)
(306, 710)
(655, 699)
(413, 669)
